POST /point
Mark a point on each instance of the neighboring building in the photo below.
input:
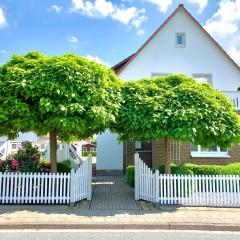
(88, 147)
(179, 45)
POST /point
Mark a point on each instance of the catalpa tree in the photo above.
(67, 97)
(176, 107)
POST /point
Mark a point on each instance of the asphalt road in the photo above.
(115, 235)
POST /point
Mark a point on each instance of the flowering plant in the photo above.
(26, 159)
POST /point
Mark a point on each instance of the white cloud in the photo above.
(3, 20)
(55, 8)
(201, 4)
(127, 15)
(3, 51)
(224, 26)
(163, 5)
(130, 16)
(140, 32)
(72, 39)
(97, 60)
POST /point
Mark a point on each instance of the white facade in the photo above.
(109, 152)
(199, 56)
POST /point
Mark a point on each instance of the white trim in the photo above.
(210, 154)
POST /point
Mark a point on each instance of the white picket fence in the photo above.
(189, 190)
(81, 181)
(47, 188)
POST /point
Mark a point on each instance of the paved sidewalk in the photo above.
(55, 217)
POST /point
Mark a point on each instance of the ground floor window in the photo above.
(211, 151)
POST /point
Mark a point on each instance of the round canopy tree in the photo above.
(176, 107)
(67, 96)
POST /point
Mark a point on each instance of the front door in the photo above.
(144, 149)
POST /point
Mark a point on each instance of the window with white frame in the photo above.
(14, 146)
(203, 78)
(211, 151)
(155, 75)
(180, 40)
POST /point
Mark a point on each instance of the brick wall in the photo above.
(185, 154)
(234, 154)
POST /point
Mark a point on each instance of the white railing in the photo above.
(47, 188)
(189, 190)
(234, 96)
(73, 155)
(3, 150)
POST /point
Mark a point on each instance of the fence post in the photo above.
(136, 185)
(89, 178)
(156, 175)
(72, 188)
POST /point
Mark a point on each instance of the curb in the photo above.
(117, 226)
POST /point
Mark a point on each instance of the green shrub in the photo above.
(26, 159)
(64, 166)
(86, 153)
(193, 169)
(130, 175)
(230, 169)
(177, 169)
(181, 170)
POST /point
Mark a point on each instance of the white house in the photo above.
(179, 45)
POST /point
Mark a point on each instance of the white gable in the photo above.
(199, 56)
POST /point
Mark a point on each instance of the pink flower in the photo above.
(1, 162)
(14, 164)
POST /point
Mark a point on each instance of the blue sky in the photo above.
(105, 30)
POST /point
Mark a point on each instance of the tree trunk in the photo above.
(53, 151)
(166, 159)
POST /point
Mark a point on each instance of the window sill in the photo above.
(180, 46)
(210, 155)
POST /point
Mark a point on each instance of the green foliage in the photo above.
(43, 166)
(69, 94)
(193, 169)
(26, 159)
(64, 166)
(130, 175)
(230, 169)
(177, 169)
(179, 108)
(86, 153)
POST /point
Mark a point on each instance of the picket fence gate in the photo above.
(47, 188)
(189, 190)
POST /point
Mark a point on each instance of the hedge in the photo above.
(192, 169)
(177, 169)
(64, 166)
(130, 175)
(230, 169)
(86, 153)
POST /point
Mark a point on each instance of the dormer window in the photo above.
(180, 40)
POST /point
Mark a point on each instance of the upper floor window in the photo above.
(180, 40)
(203, 78)
(14, 146)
